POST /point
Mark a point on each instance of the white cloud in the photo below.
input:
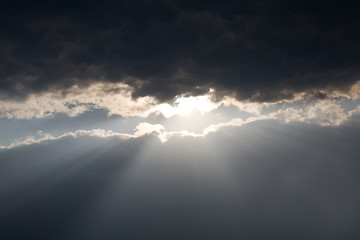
(326, 113)
(141, 129)
(44, 137)
(323, 113)
(237, 122)
(144, 128)
(113, 97)
(184, 105)
(289, 115)
(116, 98)
(250, 107)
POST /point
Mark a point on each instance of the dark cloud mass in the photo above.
(174, 47)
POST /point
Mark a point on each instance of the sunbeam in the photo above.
(179, 120)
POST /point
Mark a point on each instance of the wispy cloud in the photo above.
(323, 113)
(116, 98)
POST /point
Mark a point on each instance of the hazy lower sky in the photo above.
(179, 120)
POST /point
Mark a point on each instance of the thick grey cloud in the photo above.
(173, 47)
(262, 181)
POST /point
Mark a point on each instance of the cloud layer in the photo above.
(325, 113)
(257, 50)
(116, 99)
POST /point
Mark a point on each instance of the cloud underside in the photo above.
(258, 51)
(289, 61)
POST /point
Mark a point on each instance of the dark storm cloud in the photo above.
(265, 181)
(248, 47)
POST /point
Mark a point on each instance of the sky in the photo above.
(179, 120)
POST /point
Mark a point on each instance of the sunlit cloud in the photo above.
(44, 137)
(322, 108)
(184, 105)
(114, 97)
(323, 113)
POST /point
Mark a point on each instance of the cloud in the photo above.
(258, 51)
(114, 97)
(147, 128)
(321, 113)
(117, 99)
(141, 130)
(326, 113)
(45, 137)
(237, 122)
(183, 105)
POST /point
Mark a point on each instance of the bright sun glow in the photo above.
(185, 105)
